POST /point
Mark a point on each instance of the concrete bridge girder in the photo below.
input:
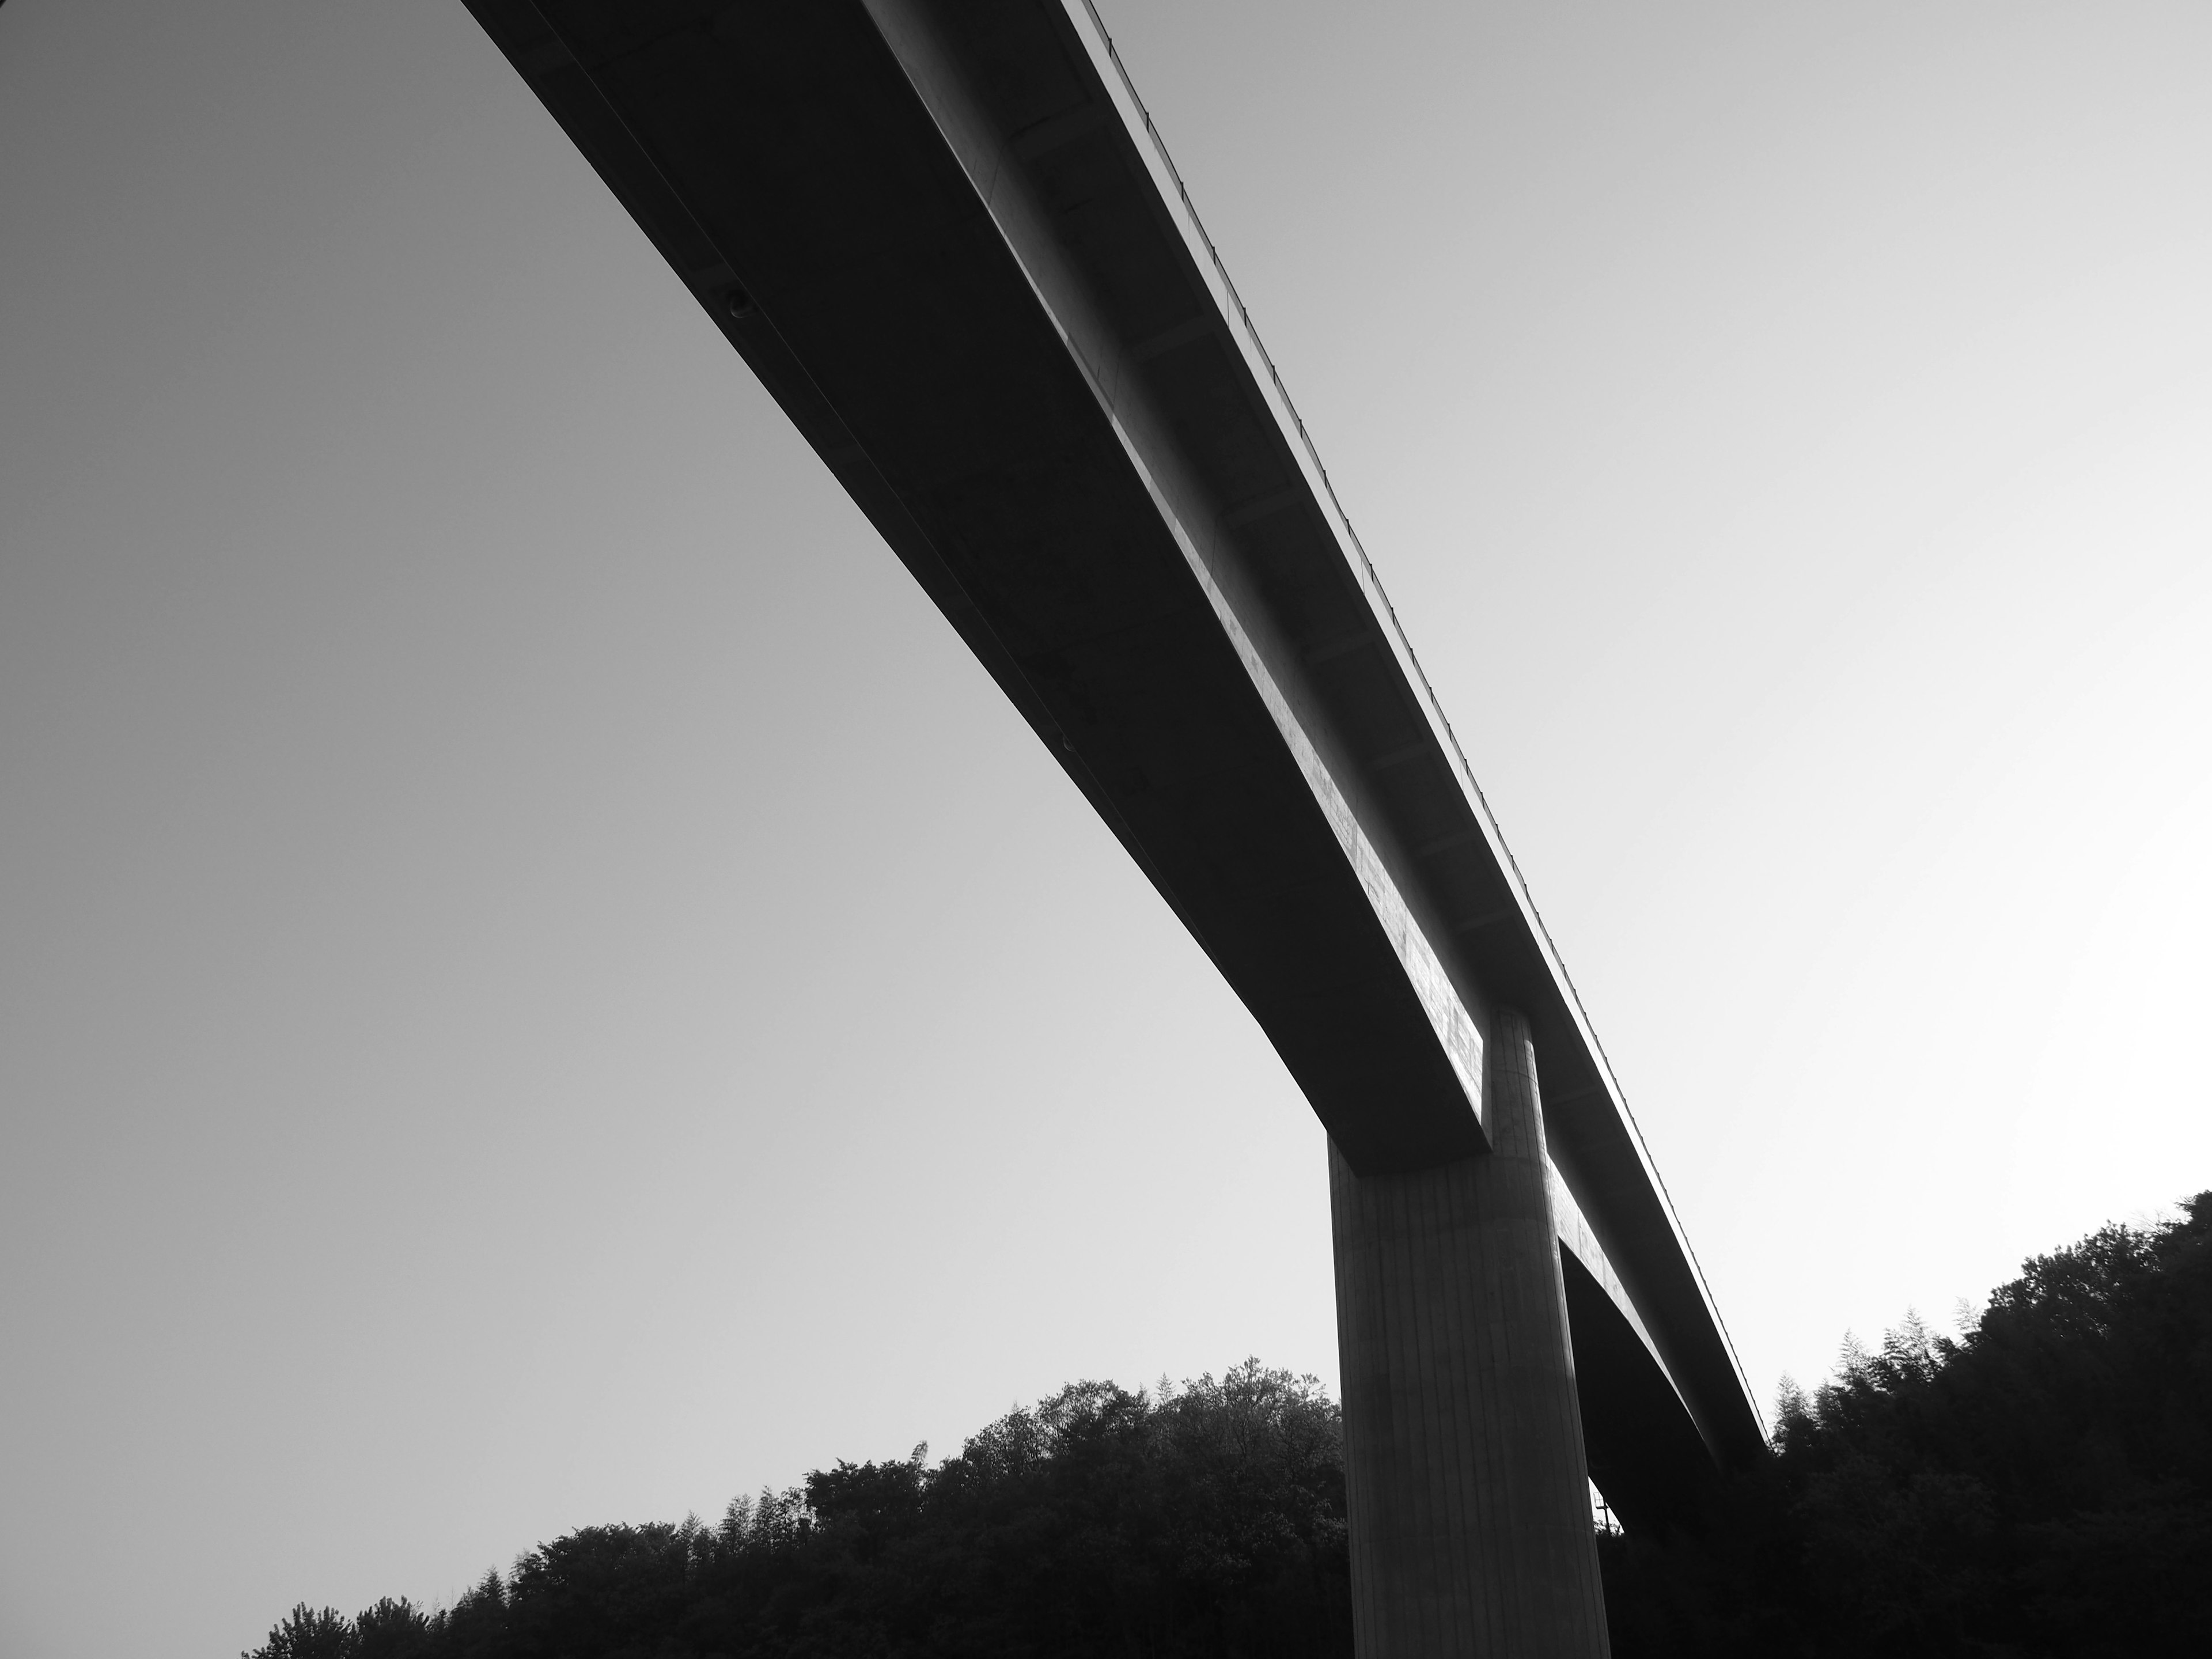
(947, 239)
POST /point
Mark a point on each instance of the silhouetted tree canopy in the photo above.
(2039, 1485)
(1203, 1520)
(2042, 1484)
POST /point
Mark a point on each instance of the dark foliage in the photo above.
(2042, 1486)
(1205, 1521)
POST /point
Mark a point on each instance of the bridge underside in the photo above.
(944, 239)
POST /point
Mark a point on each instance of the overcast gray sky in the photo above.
(539, 985)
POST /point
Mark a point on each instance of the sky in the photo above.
(539, 985)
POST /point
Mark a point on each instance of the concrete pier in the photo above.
(1471, 1531)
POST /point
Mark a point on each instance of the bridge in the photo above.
(945, 236)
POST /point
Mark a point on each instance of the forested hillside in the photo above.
(1207, 1520)
(2040, 1484)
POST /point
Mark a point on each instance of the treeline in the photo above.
(2039, 1485)
(1203, 1520)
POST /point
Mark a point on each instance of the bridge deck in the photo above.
(947, 240)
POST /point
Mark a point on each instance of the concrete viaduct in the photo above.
(945, 236)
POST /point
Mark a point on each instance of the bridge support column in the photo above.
(1468, 1492)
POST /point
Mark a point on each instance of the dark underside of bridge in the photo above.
(943, 241)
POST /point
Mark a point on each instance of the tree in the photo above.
(305, 1634)
(2040, 1484)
